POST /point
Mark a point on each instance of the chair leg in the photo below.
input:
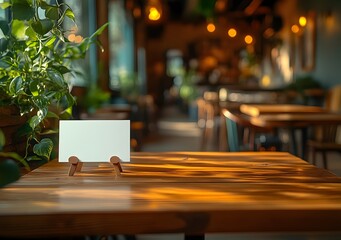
(203, 140)
(324, 158)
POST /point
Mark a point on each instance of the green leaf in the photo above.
(56, 77)
(44, 148)
(70, 99)
(4, 64)
(16, 85)
(3, 44)
(41, 103)
(51, 41)
(5, 5)
(85, 44)
(69, 13)
(42, 113)
(22, 10)
(44, 5)
(31, 33)
(43, 26)
(59, 34)
(62, 69)
(52, 12)
(99, 31)
(2, 139)
(34, 88)
(34, 121)
(47, 25)
(19, 29)
(67, 114)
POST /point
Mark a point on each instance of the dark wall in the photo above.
(328, 39)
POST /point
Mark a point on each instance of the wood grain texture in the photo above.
(295, 120)
(255, 110)
(276, 116)
(179, 192)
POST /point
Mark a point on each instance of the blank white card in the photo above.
(94, 140)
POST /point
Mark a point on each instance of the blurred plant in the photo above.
(94, 98)
(188, 89)
(302, 85)
(129, 86)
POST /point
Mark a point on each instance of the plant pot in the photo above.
(10, 122)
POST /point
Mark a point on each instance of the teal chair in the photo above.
(243, 136)
(232, 135)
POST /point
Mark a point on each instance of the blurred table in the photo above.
(256, 110)
(289, 116)
(279, 115)
(174, 192)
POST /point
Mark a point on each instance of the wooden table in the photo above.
(291, 117)
(256, 110)
(288, 115)
(176, 192)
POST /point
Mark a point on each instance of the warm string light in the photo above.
(295, 28)
(154, 14)
(302, 21)
(248, 39)
(232, 32)
(154, 10)
(210, 27)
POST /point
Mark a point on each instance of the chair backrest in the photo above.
(333, 99)
(232, 135)
(335, 106)
(330, 133)
(232, 122)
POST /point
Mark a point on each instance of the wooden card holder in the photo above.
(76, 165)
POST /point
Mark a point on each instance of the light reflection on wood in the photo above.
(174, 192)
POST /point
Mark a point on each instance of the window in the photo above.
(85, 25)
(121, 39)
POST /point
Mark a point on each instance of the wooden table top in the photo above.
(295, 120)
(255, 110)
(175, 192)
(288, 115)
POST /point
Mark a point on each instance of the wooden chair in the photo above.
(208, 118)
(243, 136)
(325, 138)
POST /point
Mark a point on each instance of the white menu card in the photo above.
(94, 140)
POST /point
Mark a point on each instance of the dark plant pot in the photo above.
(10, 122)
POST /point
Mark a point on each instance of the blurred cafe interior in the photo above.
(170, 66)
(171, 60)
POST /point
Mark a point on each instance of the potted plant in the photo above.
(35, 57)
(306, 88)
